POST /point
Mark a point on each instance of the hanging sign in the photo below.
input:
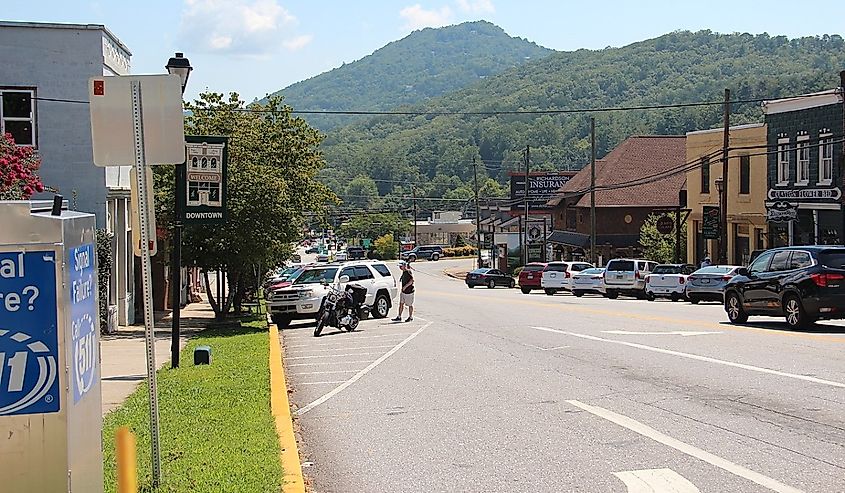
(201, 181)
(781, 212)
(711, 222)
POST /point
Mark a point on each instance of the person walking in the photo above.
(706, 262)
(406, 296)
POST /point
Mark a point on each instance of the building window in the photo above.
(571, 219)
(745, 175)
(783, 162)
(802, 165)
(17, 115)
(705, 175)
(825, 160)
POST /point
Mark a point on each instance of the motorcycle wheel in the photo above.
(320, 324)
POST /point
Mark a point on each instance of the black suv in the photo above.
(356, 253)
(428, 252)
(801, 283)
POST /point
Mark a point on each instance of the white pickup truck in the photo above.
(668, 281)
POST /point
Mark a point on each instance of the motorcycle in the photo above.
(342, 308)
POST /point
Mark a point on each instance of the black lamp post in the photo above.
(722, 254)
(178, 65)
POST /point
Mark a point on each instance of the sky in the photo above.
(254, 47)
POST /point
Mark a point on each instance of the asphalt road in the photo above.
(493, 390)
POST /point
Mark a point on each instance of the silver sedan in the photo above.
(708, 283)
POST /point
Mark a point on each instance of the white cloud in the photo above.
(417, 17)
(298, 42)
(244, 27)
(477, 6)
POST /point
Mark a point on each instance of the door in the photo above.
(498, 277)
(777, 271)
(364, 278)
(753, 290)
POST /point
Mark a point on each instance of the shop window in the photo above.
(744, 175)
(17, 115)
(705, 175)
(783, 162)
(825, 160)
(802, 165)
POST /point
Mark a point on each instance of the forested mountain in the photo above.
(424, 64)
(437, 151)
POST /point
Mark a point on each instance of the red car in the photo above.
(530, 277)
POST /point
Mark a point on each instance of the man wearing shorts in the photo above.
(406, 296)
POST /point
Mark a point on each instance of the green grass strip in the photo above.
(216, 430)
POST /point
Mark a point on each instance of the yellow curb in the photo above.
(280, 407)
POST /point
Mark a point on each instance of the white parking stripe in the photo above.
(340, 349)
(329, 355)
(324, 372)
(360, 374)
(353, 337)
(330, 363)
(320, 383)
(686, 448)
(656, 481)
(699, 358)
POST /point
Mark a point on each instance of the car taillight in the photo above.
(727, 278)
(637, 275)
(681, 280)
(647, 278)
(568, 275)
(822, 280)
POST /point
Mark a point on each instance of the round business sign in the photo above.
(534, 233)
(665, 225)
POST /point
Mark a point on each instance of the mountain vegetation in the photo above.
(434, 153)
(425, 64)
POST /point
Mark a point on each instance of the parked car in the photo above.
(322, 257)
(312, 249)
(428, 252)
(627, 276)
(356, 253)
(668, 281)
(490, 278)
(557, 276)
(708, 283)
(588, 281)
(302, 299)
(531, 277)
(341, 256)
(801, 283)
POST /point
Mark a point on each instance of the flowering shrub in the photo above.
(18, 166)
(465, 251)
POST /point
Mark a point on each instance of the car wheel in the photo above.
(381, 306)
(796, 317)
(612, 294)
(675, 297)
(511, 284)
(470, 286)
(578, 293)
(551, 292)
(693, 300)
(281, 321)
(733, 306)
(525, 290)
(435, 257)
(491, 284)
(412, 258)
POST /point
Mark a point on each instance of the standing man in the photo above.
(406, 296)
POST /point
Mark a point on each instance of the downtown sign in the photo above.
(201, 181)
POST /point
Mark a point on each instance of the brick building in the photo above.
(805, 172)
(620, 212)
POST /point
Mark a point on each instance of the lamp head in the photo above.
(180, 66)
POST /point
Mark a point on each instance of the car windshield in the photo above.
(667, 269)
(833, 258)
(480, 271)
(715, 269)
(533, 268)
(593, 271)
(316, 276)
(621, 265)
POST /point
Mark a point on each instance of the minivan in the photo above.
(627, 276)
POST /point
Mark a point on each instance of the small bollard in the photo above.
(202, 355)
(127, 466)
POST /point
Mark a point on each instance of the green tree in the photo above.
(274, 159)
(386, 248)
(660, 247)
(374, 225)
(362, 192)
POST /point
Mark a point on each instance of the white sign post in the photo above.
(157, 136)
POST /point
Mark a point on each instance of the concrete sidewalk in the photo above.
(123, 354)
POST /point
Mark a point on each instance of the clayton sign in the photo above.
(805, 194)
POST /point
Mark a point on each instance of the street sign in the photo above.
(781, 212)
(710, 224)
(29, 374)
(665, 225)
(201, 182)
(535, 233)
(112, 119)
(826, 194)
(83, 320)
(136, 215)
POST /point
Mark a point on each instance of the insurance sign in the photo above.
(29, 381)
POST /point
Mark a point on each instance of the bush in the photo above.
(386, 248)
(104, 261)
(517, 270)
(464, 251)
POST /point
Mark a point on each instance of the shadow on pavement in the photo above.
(817, 328)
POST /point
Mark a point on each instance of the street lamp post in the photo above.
(721, 254)
(178, 65)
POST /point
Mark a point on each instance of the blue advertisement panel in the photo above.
(83, 320)
(29, 382)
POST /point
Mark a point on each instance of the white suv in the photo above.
(627, 276)
(558, 275)
(303, 299)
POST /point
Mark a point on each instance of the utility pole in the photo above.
(477, 212)
(842, 156)
(723, 206)
(527, 188)
(414, 195)
(593, 191)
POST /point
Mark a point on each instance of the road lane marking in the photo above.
(684, 333)
(620, 314)
(342, 348)
(321, 383)
(324, 372)
(330, 355)
(656, 481)
(547, 348)
(361, 373)
(341, 344)
(699, 358)
(330, 363)
(686, 448)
